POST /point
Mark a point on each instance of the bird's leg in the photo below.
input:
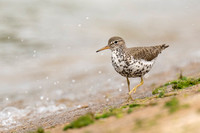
(135, 88)
(128, 82)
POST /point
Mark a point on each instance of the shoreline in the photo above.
(55, 123)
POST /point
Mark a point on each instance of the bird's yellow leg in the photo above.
(128, 82)
(135, 88)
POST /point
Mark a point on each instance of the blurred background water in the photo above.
(47, 49)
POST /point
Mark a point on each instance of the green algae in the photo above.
(161, 94)
(181, 83)
(39, 130)
(82, 121)
(90, 118)
(134, 105)
(104, 115)
(118, 112)
(185, 82)
(130, 110)
(173, 105)
(160, 90)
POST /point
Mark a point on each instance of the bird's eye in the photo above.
(116, 42)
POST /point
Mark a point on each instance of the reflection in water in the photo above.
(47, 49)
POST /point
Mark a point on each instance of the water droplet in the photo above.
(79, 25)
(87, 18)
(47, 77)
(73, 81)
(99, 72)
(109, 80)
(120, 89)
(107, 100)
(42, 97)
(7, 98)
(59, 92)
(122, 84)
(62, 106)
(40, 87)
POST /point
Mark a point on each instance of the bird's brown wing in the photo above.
(146, 53)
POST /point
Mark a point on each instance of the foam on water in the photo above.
(10, 116)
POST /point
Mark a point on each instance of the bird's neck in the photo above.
(119, 50)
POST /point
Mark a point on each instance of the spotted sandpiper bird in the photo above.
(132, 62)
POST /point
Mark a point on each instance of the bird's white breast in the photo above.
(117, 60)
(128, 66)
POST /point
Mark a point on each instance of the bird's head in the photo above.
(114, 43)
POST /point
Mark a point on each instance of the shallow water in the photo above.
(47, 49)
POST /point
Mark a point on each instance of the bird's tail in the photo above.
(163, 46)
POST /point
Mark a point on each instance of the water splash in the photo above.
(11, 117)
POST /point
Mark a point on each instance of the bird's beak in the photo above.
(106, 47)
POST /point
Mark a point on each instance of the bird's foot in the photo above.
(130, 98)
(132, 91)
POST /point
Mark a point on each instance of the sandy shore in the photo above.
(151, 119)
(183, 120)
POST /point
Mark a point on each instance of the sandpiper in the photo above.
(132, 62)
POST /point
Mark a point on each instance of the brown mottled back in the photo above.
(146, 53)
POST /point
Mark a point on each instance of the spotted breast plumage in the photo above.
(132, 62)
